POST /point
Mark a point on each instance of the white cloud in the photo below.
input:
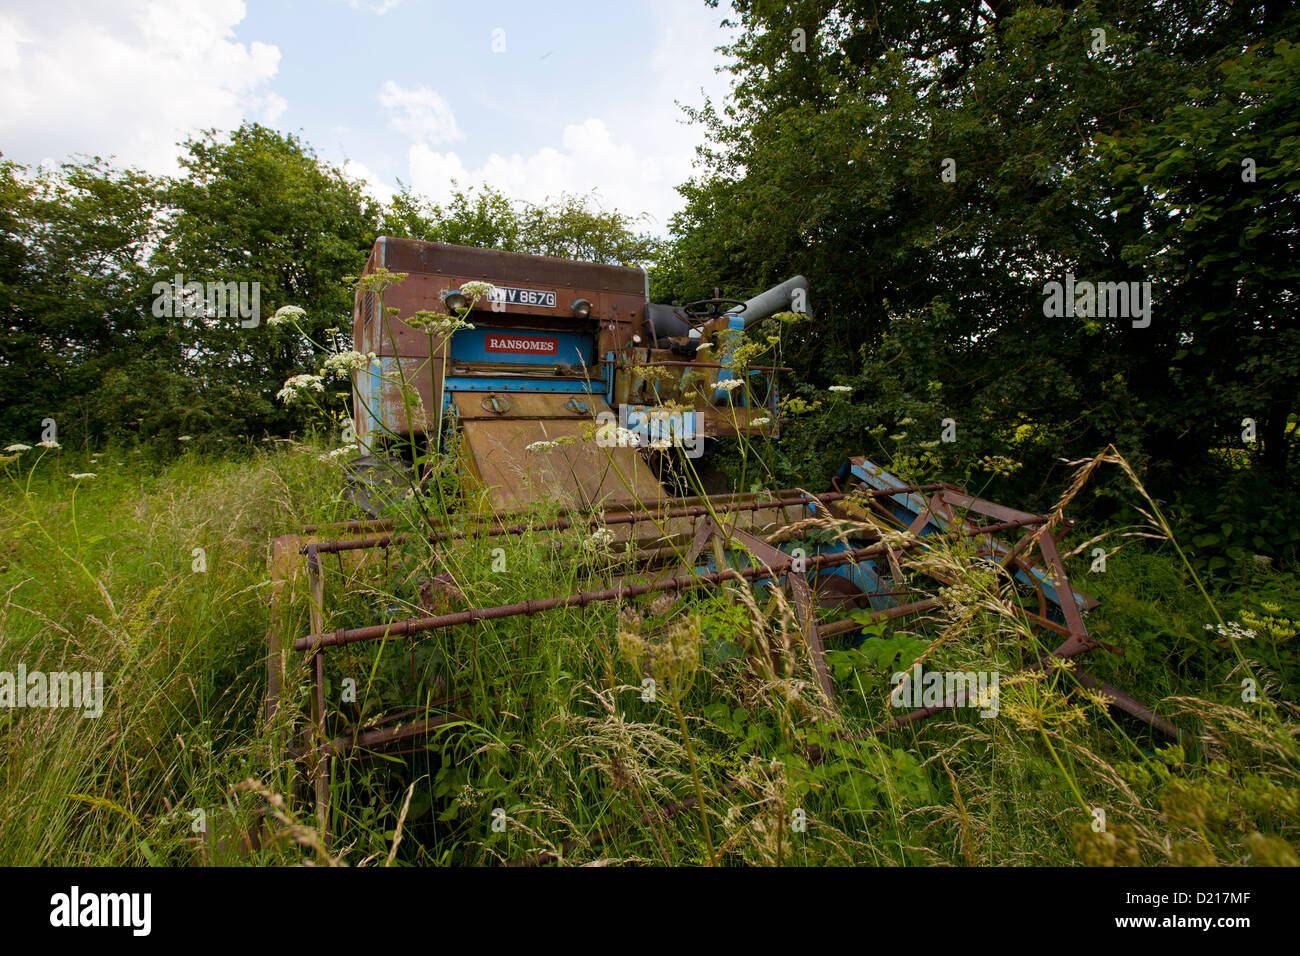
(377, 7)
(272, 107)
(632, 160)
(420, 113)
(377, 188)
(128, 78)
(9, 40)
(588, 161)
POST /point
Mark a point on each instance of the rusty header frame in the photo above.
(956, 513)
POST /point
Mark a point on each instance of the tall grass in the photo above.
(563, 748)
(98, 574)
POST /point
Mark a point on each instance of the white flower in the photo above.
(612, 436)
(479, 290)
(727, 384)
(760, 422)
(336, 453)
(298, 386)
(83, 474)
(18, 448)
(840, 388)
(1232, 630)
(186, 438)
(286, 313)
(48, 444)
(703, 345)
(344, 364)
(600, 539)
(540, 446)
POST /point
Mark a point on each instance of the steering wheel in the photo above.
(711, 308)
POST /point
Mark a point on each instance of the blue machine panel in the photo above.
(523, 347)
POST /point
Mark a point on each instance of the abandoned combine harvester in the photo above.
(569, 391)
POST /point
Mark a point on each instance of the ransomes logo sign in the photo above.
(523, 344)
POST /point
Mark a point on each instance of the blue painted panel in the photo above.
(907, 505)
(536, 385)
(575, 348)
(736, 397)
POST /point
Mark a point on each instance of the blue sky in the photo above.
(536, 99)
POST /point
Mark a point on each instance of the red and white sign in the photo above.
(522, 344)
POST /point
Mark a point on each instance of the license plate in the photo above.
(537, 297)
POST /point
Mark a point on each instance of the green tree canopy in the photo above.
(931, 167)
(571, 227)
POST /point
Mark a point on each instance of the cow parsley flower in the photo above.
(48, 444)
(83, 474)
(479, 290)
(613, 436)
(727, 384)
(287, 314)
(299, 385)
(18, 447)
(344, 364)
(840, 389)
(1233, 631)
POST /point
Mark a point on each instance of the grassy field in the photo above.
(555, 742)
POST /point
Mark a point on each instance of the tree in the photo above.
(74, 293)
(931, 167)
(261, 207)
(486, 218)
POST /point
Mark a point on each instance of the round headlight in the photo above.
(455, 301)
(581, 309)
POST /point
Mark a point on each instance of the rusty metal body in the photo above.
(532, 373)
(482, 359)
(560, 349)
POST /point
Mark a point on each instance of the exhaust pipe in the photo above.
(779, 298)
(666, 320)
